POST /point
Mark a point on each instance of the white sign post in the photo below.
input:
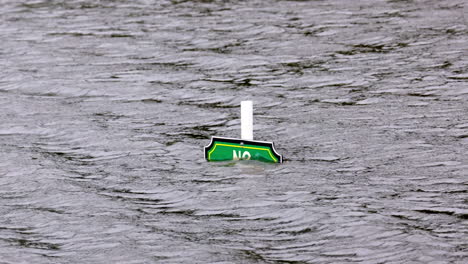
(247, 120)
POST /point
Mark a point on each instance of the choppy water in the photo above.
(105, 107)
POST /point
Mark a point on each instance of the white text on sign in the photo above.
(237, 156)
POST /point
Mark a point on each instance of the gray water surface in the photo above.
(105, 107)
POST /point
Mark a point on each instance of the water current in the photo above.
(105, 107)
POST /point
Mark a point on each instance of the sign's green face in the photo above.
(221, 149)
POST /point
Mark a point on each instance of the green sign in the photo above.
(221, 149)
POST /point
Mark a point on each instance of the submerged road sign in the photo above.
(221, 149)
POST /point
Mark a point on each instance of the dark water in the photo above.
(105, 107)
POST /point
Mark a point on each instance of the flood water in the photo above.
(105, 107)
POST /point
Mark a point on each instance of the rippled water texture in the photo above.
(105, 107)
